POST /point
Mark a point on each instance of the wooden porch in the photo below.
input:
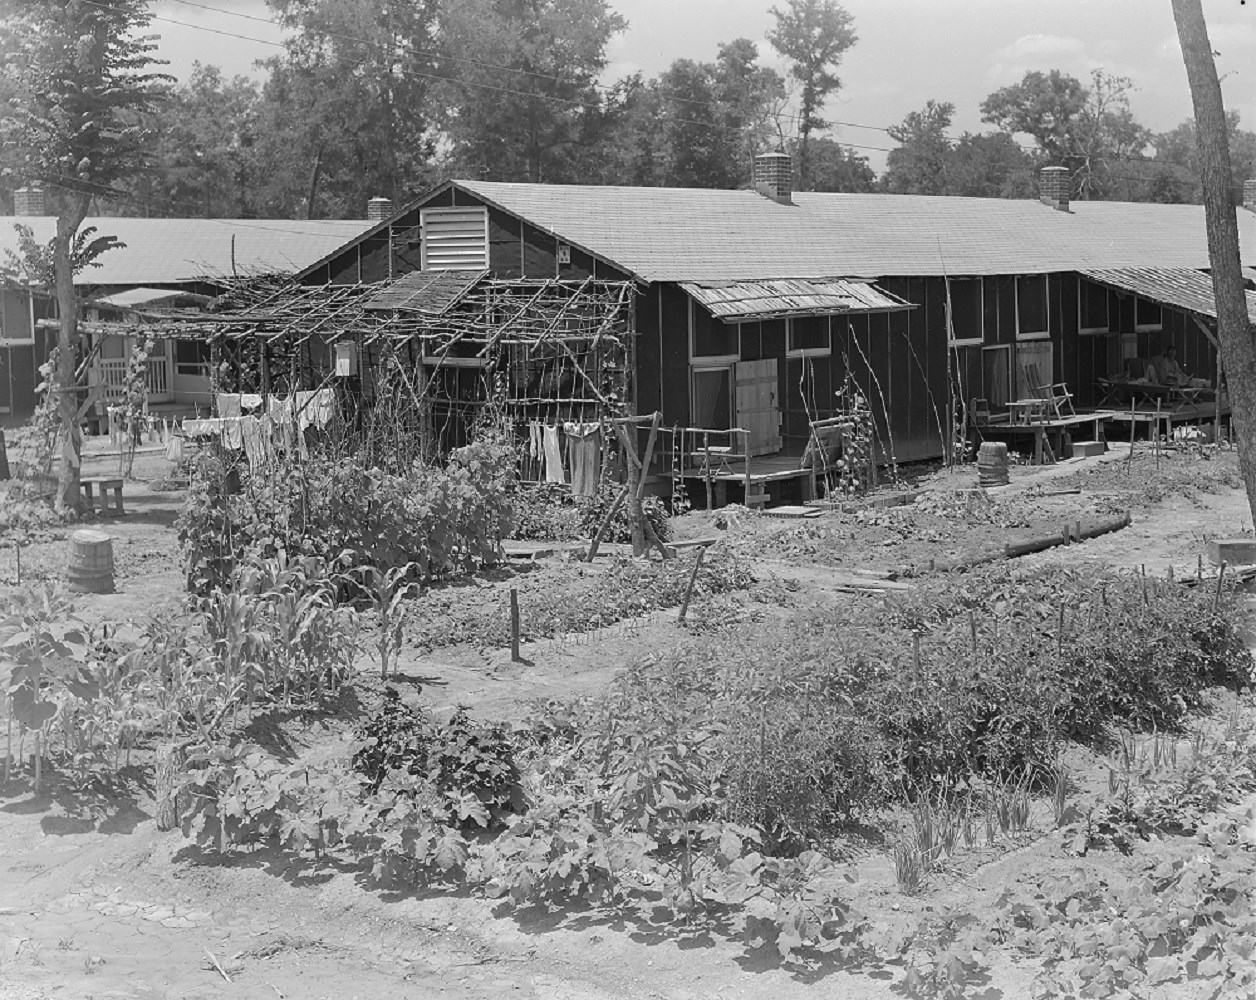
(1051, 436)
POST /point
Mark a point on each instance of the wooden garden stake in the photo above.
(1129, 459)
(1216, 597)
(514, 626)
(697, 564)
(972, 625)
(1199, 568)
(1077, 530)
(1157, 435)
(8, 738)
(17, 551)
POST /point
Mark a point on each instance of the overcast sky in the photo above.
(908, 50)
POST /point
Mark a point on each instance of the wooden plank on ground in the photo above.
(794, 511)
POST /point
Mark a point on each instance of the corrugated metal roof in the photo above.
(174, 251)
(1179, 288)
(740, 301)
(681, 234)
(427, 292)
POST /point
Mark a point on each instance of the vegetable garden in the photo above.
(728, 783)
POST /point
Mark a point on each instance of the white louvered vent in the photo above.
(455, 239)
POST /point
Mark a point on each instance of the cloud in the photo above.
(1040, 52)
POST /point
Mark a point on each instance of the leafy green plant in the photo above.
(470, 763)
(445, 520)
(549, 512)
(585, 600)
(387, 591)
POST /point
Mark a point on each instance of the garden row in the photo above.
(710, 783)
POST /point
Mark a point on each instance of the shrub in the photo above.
(796, 775)
(443, 520)
(549, 512)
(461, 758)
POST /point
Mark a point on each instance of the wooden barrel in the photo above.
(91, 562)
(992, 463)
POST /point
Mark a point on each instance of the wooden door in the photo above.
(997, 376)
(757, 407)
(1033, 368)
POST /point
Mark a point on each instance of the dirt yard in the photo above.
(100, 904)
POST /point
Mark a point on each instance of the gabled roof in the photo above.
(1190, 291)
(745, 301)
(178, 251)
(703, 235)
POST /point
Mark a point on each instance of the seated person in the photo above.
(1169, 372)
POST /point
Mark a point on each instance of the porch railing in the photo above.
(113, 372)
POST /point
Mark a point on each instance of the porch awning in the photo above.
(747, 301)
(140, 298)
(432, 293)
(1176, 287)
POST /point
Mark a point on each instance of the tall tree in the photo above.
(835, 167)
(709, 119)
(1045, 106)
(81, 78)
(989, 165)
(918, 165)
(813, 35)
(346, 112)
(521, 95)
(1234, 328)
(1176, 160)
(205, 156)
(1090, 130)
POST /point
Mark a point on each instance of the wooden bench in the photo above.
(105, 486)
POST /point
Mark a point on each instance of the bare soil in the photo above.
(100, 904)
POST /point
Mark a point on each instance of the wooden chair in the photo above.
(1058, 399)
(979, 412)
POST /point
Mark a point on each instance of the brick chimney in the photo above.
(774, 176)
(378, 209)
(1054, 187)
(29, 201)
(1249, 195)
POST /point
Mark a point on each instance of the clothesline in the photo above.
(580, 466)
(261, 436)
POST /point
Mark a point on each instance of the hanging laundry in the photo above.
(232, 433)
(250, 401)
(585, 448)
(554, 472)
(174, 450)
(251, 437)
(534, 437)
(323, 407)
(228, 404)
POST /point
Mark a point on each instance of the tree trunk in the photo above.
(1234, 329)
(68, 222)
(4, 458)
